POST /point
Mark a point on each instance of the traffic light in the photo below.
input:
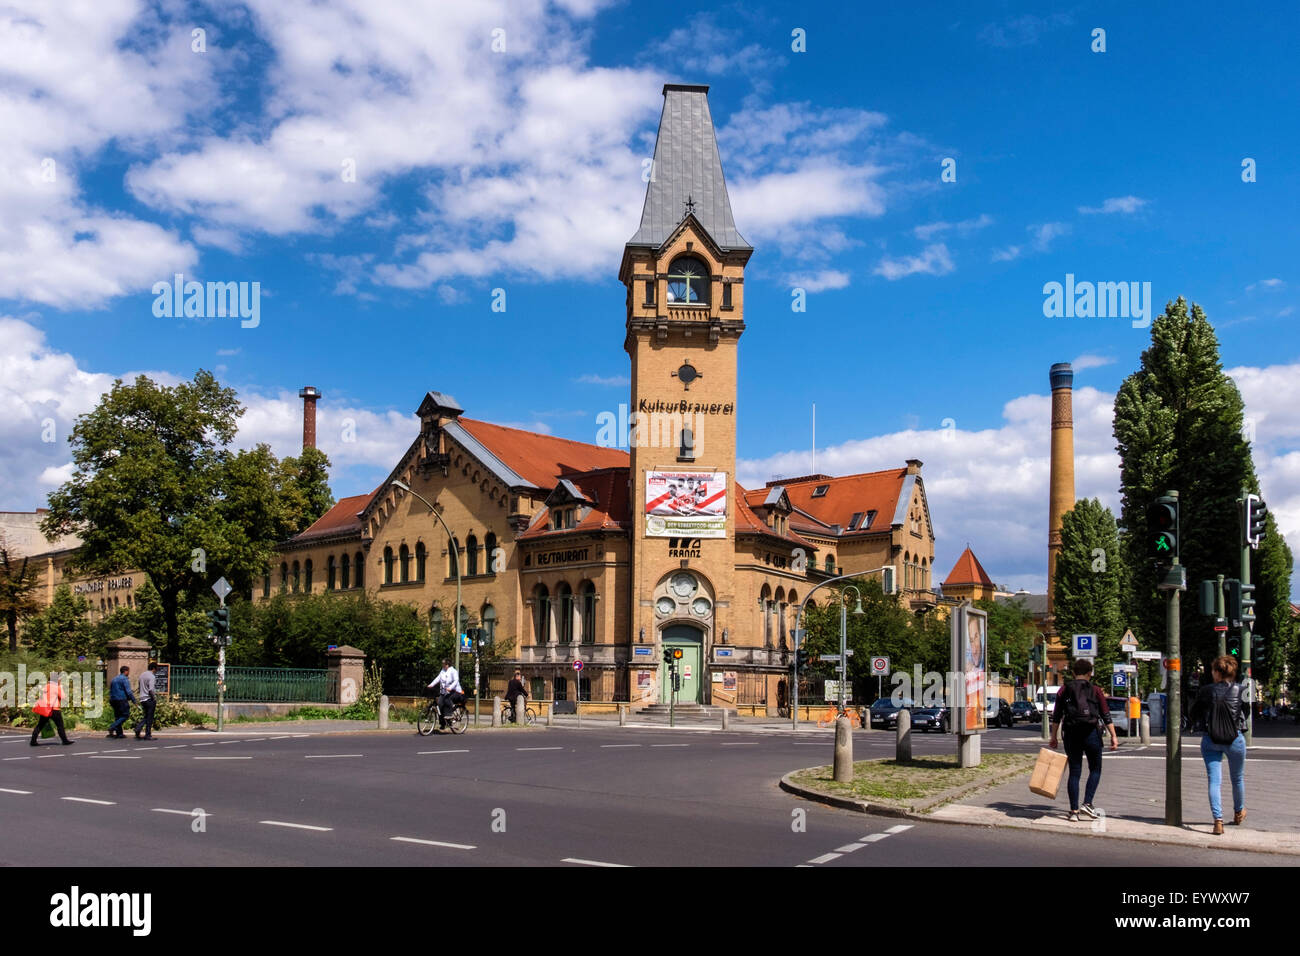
(1234, 645)
(1247, 593)
(1232, 601)
(800, 659)
(1162, 517)
(677, 653)
(1257, 648)
(223, 621)
(1209, 604)
(212, 624)
(1256, 520)
(668, 655)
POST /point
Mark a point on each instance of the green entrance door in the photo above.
(689, 639)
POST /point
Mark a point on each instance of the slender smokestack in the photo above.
(308, 395)
(1061, 493)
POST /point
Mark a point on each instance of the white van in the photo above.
(1047, 698)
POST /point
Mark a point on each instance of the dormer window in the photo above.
(688, 282)
(853, 522)
(820, 491)
(871, 516)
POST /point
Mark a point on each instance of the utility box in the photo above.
(1156, 703)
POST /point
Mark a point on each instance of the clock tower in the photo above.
(684, 272)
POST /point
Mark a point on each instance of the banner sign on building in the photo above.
(686, 504)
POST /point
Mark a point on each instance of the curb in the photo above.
(919, 811)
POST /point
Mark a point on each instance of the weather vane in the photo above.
(690, 205)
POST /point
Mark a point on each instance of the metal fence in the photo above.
(263, 685)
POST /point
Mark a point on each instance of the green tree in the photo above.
(1090, 580)
(18, 583)
(304, 488)
(1011, 633)
(1178, 424)
(63, 629)
(156, 488)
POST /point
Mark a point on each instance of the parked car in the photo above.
(1025, 710)
(998, 713)
(927, 719)
(884, 712)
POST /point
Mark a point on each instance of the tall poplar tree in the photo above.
(1090, 579)
(1179, 426)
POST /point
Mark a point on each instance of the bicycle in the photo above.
(457, 719)
(508, 713)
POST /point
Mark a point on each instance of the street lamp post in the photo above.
(451, 545)
(844, 635)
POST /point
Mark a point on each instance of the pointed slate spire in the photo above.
(687, 170)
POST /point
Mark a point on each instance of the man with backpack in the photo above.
(1082, 706)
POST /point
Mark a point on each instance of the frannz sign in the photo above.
(683, 547)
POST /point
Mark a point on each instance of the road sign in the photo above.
(222, 588)
(577, 666)
(686, 671)
(1085, 645)
(832, 691)
(799, 633)
(465, 643)
(1125, 668)
(880, 665)
(832, 658)
(1118, 680)
(1147, 655)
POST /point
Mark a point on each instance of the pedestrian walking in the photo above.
(1220, 714)
(48, 707)
(148, 701)
(1082, 707)
(119, 692)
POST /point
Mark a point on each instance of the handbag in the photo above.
(48, 731)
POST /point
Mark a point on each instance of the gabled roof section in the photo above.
(747, 522)
(523, 459)
(605, 491)
(886, 493)
(968, 570)
(341, 520)
(687, 166)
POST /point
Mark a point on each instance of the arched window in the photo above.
(330, 570)
(830, 564)
(541, 615)
(453, 557)
(345, 575)
(266, 586)
(435, 622)
(306, 578)
(564, 594)
(404, 563)
(489, 553)
(765, 604)
(284, 576)
(296, 577)
(359, 566)
(471, 555)
(489, 618)
(688, 281)
(420, 556)
(589, 613)
(388, 565)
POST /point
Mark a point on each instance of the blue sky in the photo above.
(924, 333)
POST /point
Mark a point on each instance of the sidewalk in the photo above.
(1132, 796)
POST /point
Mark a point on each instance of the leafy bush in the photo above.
(170, 711)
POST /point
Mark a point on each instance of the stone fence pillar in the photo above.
(130, 652)
(349, 664)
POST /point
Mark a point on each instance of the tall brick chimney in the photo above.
(1061, 481)
(308, 394)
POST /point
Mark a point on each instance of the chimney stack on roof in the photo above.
(308, 394)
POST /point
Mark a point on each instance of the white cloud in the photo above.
(1126, 205)
(591, 379)
(928, 231)
(1009, 254)
(1044, 233)
(1025, 30)
(1266, 283)
(934, 261)
(820, 281)
(1092, 361)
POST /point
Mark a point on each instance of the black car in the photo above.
(1024, 710)
(884, 712)
(998, 713)
(927, 719)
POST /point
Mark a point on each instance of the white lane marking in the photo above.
(613, 746)
(17, 758)
(105, 757)
(223, 758)
(745, 744)
(255, 740)
(43, 756)
(670, 745)
(185, 813)
(174, 746)
(824, 858)
(231, 741)
(874, 837)
(849, 847)
(451, 846)
(425, 753)
(538, 748)
(13, 738)
(7, 790)
(142, 749)
(296, 826)
(281, 737)
(899, 828)
(328, 756)
(211, 743)
(120, 750)
(300, 735)
(102, 803)
(572, 859)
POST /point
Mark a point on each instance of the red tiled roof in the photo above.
(542, 459)
(874, 491)
(968, 570)
(341, 519)
(608, 488)
(747, 521)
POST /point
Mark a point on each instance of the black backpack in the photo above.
(1081, 704)
(1225, 715)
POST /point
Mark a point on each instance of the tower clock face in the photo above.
(683, 585)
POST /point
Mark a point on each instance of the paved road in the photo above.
(596, 796)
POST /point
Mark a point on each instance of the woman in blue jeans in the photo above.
(1224, 694)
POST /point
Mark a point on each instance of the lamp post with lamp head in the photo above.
(451, 545)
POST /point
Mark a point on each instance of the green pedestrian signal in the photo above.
(1162, 517)
(1234, 645)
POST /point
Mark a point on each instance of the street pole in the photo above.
(1219, 615)
(1173, 727)
(455, 557)
(844, 637)
(1042, 683)
(1245, 625)
(221, 677)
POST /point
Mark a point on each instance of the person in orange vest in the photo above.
(48, 706)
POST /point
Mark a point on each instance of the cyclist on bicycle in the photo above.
(448, 684)
(515, 690)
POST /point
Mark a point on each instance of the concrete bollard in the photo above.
(521, 710)
(903, 740)
(550, 715)
(622, 715)
(843, 751)
(726, 719)
(383, 712)
(1144, 728)
(496, 711)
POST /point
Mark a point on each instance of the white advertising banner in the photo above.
(686, 504)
